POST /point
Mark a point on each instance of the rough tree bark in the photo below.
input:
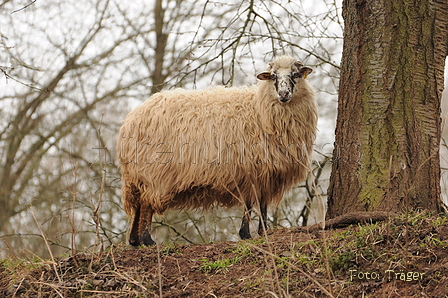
(386, 154)
(158, 77)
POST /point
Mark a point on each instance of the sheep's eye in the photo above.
(273, 76)
(296, 75)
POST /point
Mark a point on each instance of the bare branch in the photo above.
(25, 7)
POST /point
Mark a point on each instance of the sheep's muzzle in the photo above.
(284, 96)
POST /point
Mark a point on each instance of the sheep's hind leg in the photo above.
(263, 218)
(133, 237)
(144, 226)
(244, 230)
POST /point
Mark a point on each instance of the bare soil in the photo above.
(405, 256)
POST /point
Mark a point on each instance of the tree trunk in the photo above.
(158, 77)
(386, 154)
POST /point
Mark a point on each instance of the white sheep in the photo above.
(187, 149)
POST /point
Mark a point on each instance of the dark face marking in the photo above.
(284, 85)
(285, 79)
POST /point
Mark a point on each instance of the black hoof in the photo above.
(146, 239)
(244, 234)
(147, 242)
(261, 231)
(134, 242)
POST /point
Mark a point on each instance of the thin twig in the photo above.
(129, 279)
(159, 270)
(97, 210)
(100, 292)
(47, 245)
(55, 287)
(18, 287)
(72, 220)
(25, 7)
(11, 250)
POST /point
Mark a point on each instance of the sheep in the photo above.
(187, 149)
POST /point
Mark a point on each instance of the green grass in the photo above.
(170, 248)
(218, 265)
(242, 249)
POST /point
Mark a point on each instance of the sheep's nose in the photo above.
(284, 96)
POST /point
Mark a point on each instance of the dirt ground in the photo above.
(401, 257)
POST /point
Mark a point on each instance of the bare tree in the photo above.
(69, 80)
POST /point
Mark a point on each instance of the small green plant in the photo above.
(257, 241)
(305, 259)
(340, 235)
(12, 265)
(218, 265)
(342, 261)
(253, 284)
(439, 221)
(282, 262)
(170, 248)
(242, 249)
(436, 242)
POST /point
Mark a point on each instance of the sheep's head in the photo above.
(285, 72)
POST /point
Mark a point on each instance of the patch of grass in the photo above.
(170, 248)
(254, 284)
(242, 249)
(218, 265)
(439, 221)
(305, 259)
(342, 261)
(257, 241)
(282, 262)
(12, 265)
(347, 247)
(436, 242)
(413, 217)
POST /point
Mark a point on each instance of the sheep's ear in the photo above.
(298, 64)
(265, 75)
(305, 71)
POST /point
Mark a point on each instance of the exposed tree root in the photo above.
(348, 219)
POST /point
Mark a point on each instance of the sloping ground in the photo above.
(403, 257)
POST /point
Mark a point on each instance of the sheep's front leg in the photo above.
(262, 226)
(244, 230)
(144, 226)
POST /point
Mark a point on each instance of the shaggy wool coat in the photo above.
(225, 146)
